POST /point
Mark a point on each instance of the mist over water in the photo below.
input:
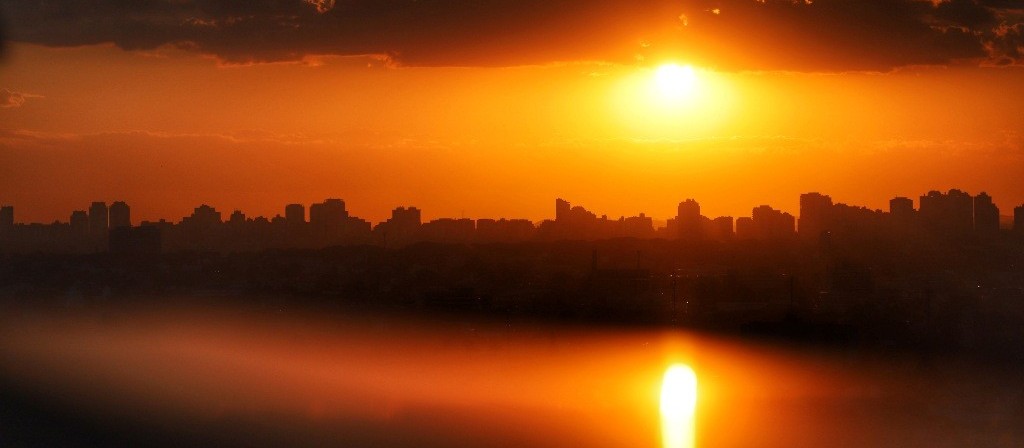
(203, 375)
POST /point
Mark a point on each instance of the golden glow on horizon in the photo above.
(678, 406)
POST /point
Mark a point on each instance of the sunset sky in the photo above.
(492, 108)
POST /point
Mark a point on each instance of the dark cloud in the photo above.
(731, 34)
(836, 34)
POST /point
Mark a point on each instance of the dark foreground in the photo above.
(934, 297)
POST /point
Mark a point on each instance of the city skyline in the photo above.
(492, 122)
(292, 210)
(954, 216)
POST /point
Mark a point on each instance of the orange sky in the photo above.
(169, 128)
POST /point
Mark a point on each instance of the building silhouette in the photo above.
(295, 214)
(504, 230)
(641, 226)
(815, 215)
(406, 218)
(120, 215)
(79, 222)
(403, 227)
(203, 217)
(745, 229)
(689, 220)
(578, 223)
(986, 215)
(6, 218)
(330, 214)
(98, 219)
(237, 218)
(1018, 219)
(448, 230)
(902, 210)
(950, 214)
(954, 217)
(721, 228)
(772, 224)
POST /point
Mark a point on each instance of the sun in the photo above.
(673, 82)
(672, 100)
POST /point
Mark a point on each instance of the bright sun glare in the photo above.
(675, 82)
(671, 100)
(678, 404)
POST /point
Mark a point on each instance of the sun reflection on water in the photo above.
(678, 405)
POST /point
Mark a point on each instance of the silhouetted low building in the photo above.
(203, 217)
(402, 228)
(504, 230)
(637, 226)
(721, 228)
(772, 224)
(79, 223)
(449, 230)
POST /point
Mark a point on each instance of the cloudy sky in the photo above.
(494, 107)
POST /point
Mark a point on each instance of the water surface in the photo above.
(221, 376)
